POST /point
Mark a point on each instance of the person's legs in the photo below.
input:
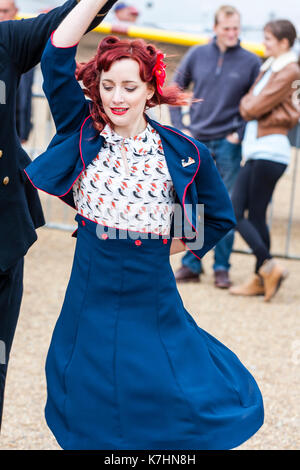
(258, 179)
(228, 158)
(270, 271)
(190, 261)
(240, 201)
(264, 178)
(241, 197)
(11, 290)
(190, 270)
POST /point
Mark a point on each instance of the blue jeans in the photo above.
(227, 157)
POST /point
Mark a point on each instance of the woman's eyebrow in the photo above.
(124, 81)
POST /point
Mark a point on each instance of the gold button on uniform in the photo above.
(5, 180)
(1, 153)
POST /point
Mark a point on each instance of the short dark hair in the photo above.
(228, 10)
(282, 29)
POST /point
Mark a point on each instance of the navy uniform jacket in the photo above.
(76, 143)
(23, 108)
(21, 46)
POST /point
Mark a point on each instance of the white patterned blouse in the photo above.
(128, 185)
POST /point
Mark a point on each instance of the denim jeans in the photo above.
(227, 157)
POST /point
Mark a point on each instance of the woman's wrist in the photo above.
(177, 246)
(76, 23)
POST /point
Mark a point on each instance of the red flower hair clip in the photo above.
(159, 70)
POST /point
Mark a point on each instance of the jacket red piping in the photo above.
(60, 47)
(189, 249)
(49, 194)
(185, 190)
(62, 195)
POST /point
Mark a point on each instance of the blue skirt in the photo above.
(128, 367)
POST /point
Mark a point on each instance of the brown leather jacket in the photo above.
(275, 108)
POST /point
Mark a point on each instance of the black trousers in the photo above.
(253, 192)
(11, 291)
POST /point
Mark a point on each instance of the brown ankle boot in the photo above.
(273, 274)
(254, 286)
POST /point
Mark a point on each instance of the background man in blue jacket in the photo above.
(21, 47)
(221, 73)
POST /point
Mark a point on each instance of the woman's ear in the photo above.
(151, 91)
(285, 45)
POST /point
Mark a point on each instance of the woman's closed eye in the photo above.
(110, 88)
(107, 88)
(130, 89)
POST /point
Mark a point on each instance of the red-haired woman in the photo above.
(128, 367)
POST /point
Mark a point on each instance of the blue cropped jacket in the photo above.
(195, 178)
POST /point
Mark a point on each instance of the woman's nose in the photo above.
(118, 96)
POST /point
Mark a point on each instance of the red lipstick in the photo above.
(119, 111)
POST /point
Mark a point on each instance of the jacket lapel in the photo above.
(179, 149)
(90, 142)
(181, 155)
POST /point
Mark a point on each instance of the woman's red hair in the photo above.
(112, 49)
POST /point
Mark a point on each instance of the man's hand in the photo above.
(233, 138)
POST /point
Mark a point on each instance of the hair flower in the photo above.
(159, 70)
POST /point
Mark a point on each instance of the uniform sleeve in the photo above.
(67, 101)
(219, 215)
(25, 40)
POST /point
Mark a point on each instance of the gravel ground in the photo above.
(264, 336)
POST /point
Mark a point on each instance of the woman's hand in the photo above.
(176, 246)
(73, 27)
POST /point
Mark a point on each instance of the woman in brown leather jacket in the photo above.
(271, 109)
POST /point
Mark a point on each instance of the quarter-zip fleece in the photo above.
(220, 79)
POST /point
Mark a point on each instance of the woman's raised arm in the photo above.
(75, 24)
(68, 104)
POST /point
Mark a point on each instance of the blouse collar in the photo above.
(112, 137)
